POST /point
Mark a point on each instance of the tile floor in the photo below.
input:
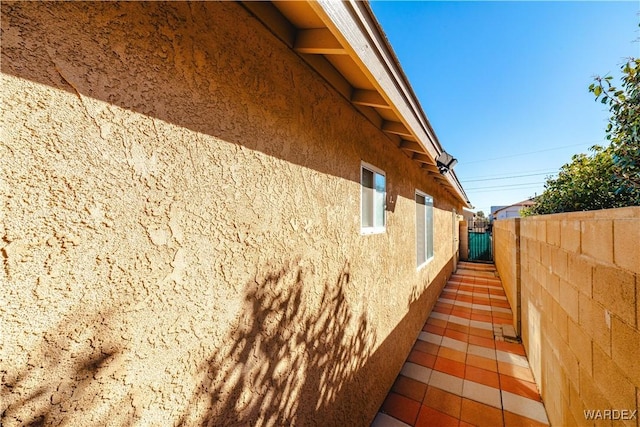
(460, 371)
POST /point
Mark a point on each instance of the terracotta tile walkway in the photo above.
(461, 371)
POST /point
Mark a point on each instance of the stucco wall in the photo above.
(180, 230)
(580, 298)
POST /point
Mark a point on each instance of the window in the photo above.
(373, 199)
(424, 228)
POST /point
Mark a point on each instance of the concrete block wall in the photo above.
(580, 300)
(507, 259)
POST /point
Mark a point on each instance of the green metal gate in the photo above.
(480, 248)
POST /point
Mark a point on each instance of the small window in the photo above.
(373, 199)
(424, 228)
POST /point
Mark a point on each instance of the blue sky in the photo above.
(505, 84)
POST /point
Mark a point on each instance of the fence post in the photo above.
(464, 241)
(517, 318)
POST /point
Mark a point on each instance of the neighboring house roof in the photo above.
(467, 213)
(496, 208)
(344, 43)
(523, 204)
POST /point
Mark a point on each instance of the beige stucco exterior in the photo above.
(180, 226)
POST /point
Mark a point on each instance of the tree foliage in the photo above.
(586, 183)
(610, 176)
(623, 129)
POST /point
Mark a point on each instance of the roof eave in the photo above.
(350, 28)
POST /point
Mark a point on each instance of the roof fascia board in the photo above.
(352, 23)
(356, 34)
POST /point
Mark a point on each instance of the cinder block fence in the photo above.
(573, 281)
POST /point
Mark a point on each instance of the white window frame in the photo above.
(427, 225)
(373, 229)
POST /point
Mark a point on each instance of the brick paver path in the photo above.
(461, 370)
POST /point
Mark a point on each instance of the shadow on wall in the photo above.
(179, 62)
(291, 359)
(287, 353)
(204, 66)
(296, 352)
(66, 377)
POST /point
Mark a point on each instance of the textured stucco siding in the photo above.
(180, 226)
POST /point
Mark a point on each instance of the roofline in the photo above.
(342, 18)
(512, 206)
(411, 93)
(350, 28)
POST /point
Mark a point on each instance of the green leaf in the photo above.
(597, 91)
